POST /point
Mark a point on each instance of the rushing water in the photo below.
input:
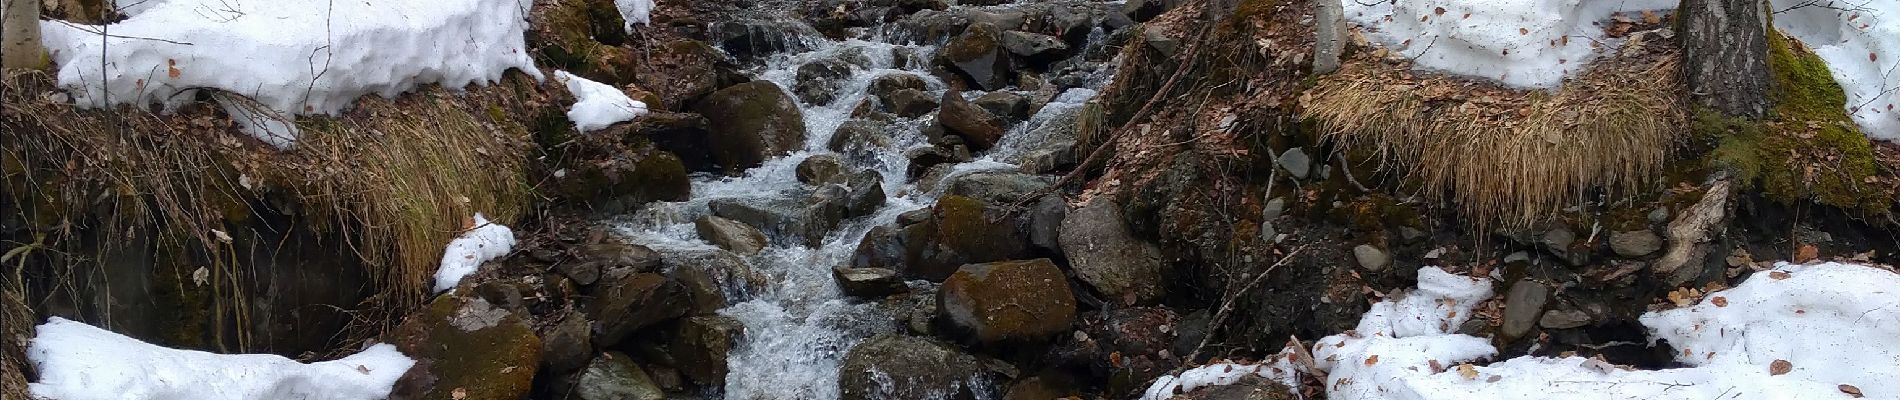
(799, 325)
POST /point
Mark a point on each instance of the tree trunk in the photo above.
(1329, 35)
(1725, 55)
(20, 35)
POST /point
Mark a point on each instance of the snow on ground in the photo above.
(598, 105)
(1522, 43)
(1799, 331)
(81, 362)
(297, 57)
(464, 255)
(635, 12)
(1860, 40)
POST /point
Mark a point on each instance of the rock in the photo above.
(1410, 235)
(754, 39)
(956, 232)
(865, 194)
(701, 344)
(860, 139)
(1007, 301)
(1659, 215)
(730, 235)
(1144, 10)
(820, 169)
(1273, 209)
(1522, 305)
(1009, 106)
(1050, 157)
(681, 71)
(976, 126)
(1158, 38)
(1564, 319)
(1296, 162)
(887, 84)
(711, 279)
(997, 187)
(623, 182)
(1034, 46)
(613, 376)
(565, 346)
(755, 121)
(1559, 241)
(891, 366)
(1329, 31)
(804, 221)
(1371, 258)
(818, 81)
(977, 54)
(1635, 243)
(1045, 223)
(868, 282)
(1248, 387)
(636, 301)
(1107, 256)
(611, 258)
(463, 343)
(683, 134)
(908, 103)
(1042, 388)
(923, 158)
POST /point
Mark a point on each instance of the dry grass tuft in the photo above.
(1513, 157)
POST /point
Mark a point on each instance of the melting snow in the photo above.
(464, 255)
(81, 362)
(598, 105)
(1860, 40)
(635, 12)
(1800, 331)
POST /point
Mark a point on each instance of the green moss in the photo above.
(964, 227)
(460, 352)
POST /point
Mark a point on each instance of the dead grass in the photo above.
(1515, 157)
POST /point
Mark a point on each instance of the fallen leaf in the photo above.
(1373, 359)
(1850, 390)
(459, 394)
(1438, 11)
(1115, 359)
(1523, 31)
(362, 369)
(1436, 367)
(1806, 252)
(1719, 301)
(1779, 275)
(1467, 371)
(1873, 57)
(1780, 367)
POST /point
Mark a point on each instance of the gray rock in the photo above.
(1045, 223)
(1143, 10)
(997, 187)
(885, 85)
(1296, 162)
(712, 279)
(923, 158)
(1371, 258)
(868, 282)
(1329, 27)
(565, 346)
(636, 301)
(1268, 233)
(1659, 215)
(731, 235)
(804, 221)
(860, 139)
(1522, 306)
(1049, 157)
(978, 54)
(1558, 242)
(613, 376)
(1517, 257)
(1635, 243)
(865, 193)
(818, 81)
(612, 258)
(1158, 39)
(977, 127)
(1564, 319)
(891, 366)
(820, 169)
(1009, 106)
(1034, 45)
(1107, 256)
(908, 103)
(1273, 209)
(701, 344)
(1411, 235)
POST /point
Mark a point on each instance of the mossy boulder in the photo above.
(466, 349)
(614, 376)
(750, 123)
(978, 55)
(629, 303)
(701, 344)
(1007, 302)
(1106, 254)
(979, 129)
(682, 71)
(624, 181)
(956, 232)
(892, 366)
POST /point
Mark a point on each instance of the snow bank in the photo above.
(598, 105)
(1860, 40)
(292, 56)
(486, 241)
(80, 362)
(1522, 43)
(635, 12)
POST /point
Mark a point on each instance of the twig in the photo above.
(101, 31)
(1220, 316)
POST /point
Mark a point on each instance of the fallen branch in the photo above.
(1220, 316)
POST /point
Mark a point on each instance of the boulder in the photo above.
(1371, 258)
(565, 346)
(934, 26)
(976, 126)
(682, 70)
(755, 121)
(1635, 243)
(868, 282)
(957, 232)
(860, 139)
(622, 306)
(997, 187)
(614, 376)
(462, 344)
(1034, 46)
(1107, 256)
(887, 84)
(1009, 106)
(891, 366)
(1045, 223)
(612, 258)
(908, 103)
(865, 193)
(731, 235)
(818, 81)
(754, 39)
(712, 279)
(700, 346)
(820, 169)
(1007, 302)
(922, 159)
(978, 55)
(1523, 304)
(803, 221)
(623, 182)
(1144, 10)
(686, 135)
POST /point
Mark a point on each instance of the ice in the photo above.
(81, 362)
(598, 105)
(464, 255)
(296, 57)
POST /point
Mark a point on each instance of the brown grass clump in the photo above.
(1515, 157)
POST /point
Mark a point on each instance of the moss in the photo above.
(964, 227)
(465, 345)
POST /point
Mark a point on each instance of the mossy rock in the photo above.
(960, 232)
(750, 123)
(466, 349)
(1809, 150)
(1007, 302)
(978, 54)
(625, 181)
(892, 366)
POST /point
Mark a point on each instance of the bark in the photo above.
(1725, 55)
(20, 35)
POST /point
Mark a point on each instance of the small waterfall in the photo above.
(800, 325)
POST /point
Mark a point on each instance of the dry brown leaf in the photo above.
(1523, 31)
(1467, 371)
(1779, 275)
(1438, 11)
(1373, 359)
(1806, 253)
(459, 394)
(1436, 367)
(1780, 367)
(1850, 390)
(1719, 301)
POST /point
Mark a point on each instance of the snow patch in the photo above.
(269, 126)
(1836, 326)
(294, 57)
(81, 362)
(1860, 40)
(1521, 43)
(464, 255)
(598, 105)
(635, 12)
